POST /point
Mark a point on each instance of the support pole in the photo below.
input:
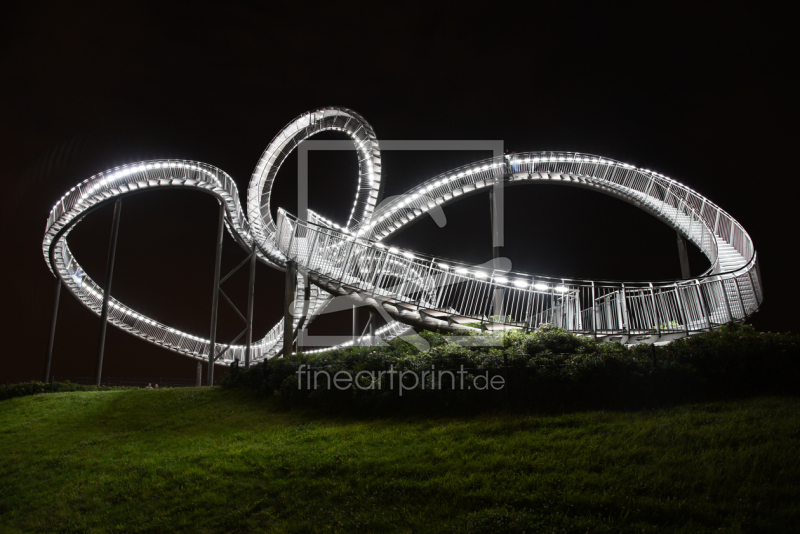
(703, 306)
(657, 320)
(112, 251)
(684, 256)
(355, 325)
(199, 380)
(302, 323)
(684, 314)
(52, 338)
(212, 348)
(594, 313)
(291, 290)
(626, 325)
(496, 207)
(251, 293)
(373, 316)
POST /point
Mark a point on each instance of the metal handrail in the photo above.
(464, 293)
(450, 261)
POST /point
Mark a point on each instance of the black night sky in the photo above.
(705, 96)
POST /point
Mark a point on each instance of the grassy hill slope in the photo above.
(211, 460)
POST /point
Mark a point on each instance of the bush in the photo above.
(547, 368)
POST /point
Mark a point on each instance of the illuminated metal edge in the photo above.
(118, 182)
(388, 331)
(134, 178)
(642, 188)
(331, 118)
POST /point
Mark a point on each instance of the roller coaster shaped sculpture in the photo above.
(416, 290)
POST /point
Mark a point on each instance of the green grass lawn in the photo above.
(211, 460)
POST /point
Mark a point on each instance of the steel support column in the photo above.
(212, 348)
(594, 313)
(288, 302)
(251, 292)
(112, 252)
(684, 313)
(496, 209)
(684, 257)
(303, 322)
(51, 339)
(703, 305)
(373, 316)
(626, 325)
(655, 311)
(355, 325)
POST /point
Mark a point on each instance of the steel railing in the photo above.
(426, 290)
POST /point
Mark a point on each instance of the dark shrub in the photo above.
(547, 368)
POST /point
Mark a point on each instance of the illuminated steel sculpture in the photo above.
(417, 290)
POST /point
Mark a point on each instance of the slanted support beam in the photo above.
(288, 302)
(251, 292)
(51, 339)
(684, 257)
(112, 252)
(373, 318)
(355, 325)
(369, 328)
(303, 322)
(212, 348)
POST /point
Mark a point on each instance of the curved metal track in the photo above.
(420, 290)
